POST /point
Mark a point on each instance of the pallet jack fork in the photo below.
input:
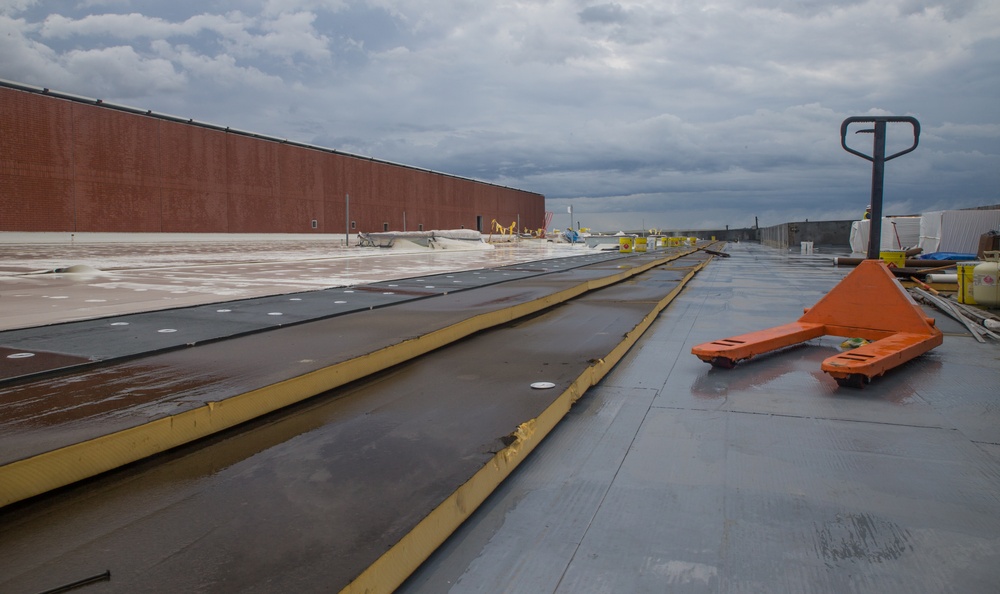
(868, 303)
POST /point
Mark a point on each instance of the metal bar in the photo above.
(878, 176)
(976, 315)
(101, 577)
(946, 308)
(878, 159)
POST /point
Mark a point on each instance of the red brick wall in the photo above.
(71, 166)
(36, 163)
(194, 193)
(116, 171)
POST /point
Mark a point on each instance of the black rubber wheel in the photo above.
(855, 380)
(722, 363)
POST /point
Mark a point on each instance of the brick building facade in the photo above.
(77, 165)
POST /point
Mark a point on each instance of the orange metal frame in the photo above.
(869, 303)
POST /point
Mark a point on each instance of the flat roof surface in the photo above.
(331, 485)
(86, 379)
(52, 278)
(672, 475)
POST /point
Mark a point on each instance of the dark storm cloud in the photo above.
(603, 13)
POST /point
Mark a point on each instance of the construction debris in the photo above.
(977, 321)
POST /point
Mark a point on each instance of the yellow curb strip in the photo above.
(396, 564)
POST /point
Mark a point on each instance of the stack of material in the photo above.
(898, 233)
(956, 230)
(981, 324)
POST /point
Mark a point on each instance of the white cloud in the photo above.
(291, 34)
(119, 70)
(121, 26)
(221, 69)
(24, 59)
(284, 34)
(114, 71)
(964, 131)
(277, 7)
(12, 7)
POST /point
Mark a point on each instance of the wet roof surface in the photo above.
(34, 350)
(304, 500)
(43, 412)
(672, 475)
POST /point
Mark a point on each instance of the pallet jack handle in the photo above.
(878, 160)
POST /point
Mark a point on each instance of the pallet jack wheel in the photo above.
(723, 362)
(855, 380)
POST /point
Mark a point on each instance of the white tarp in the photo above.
(898, 233)
(956, 230)
(448, 239)
(859, 236)
(463, 234)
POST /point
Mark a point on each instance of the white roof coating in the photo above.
(109, 275)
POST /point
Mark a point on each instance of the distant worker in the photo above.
(868, 213)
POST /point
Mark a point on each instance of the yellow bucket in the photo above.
(640, 244)
(625, 245)
(894, 258)
(965, 282)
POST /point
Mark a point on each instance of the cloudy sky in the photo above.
(658, 113)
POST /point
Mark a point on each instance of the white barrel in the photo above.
(985, 282)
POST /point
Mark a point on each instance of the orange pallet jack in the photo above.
(869, 303)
